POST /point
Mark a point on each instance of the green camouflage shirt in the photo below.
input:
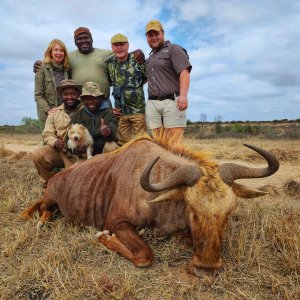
(130, 77)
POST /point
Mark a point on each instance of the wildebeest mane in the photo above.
(203, 158)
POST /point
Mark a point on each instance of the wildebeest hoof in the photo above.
(104, 233)
(202, 272)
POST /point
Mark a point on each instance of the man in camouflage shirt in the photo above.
(127, 79)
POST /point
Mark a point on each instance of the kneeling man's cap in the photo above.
(91, 89)
(119, 38)
(154, 25)
(68, 83)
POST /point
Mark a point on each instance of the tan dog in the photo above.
(80, 137)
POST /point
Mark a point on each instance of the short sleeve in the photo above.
(180, 59)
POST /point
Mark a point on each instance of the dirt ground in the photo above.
(20, 142)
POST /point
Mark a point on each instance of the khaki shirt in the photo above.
(56, 125)
(163, 68)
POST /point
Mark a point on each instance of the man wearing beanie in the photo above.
(127, 79)
(89, 63)
(168, 73)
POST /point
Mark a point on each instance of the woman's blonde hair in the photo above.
(48, 58)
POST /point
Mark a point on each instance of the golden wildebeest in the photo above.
(150, 183)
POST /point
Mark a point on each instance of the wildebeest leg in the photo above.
(46, 211)
(128, 243)
(46, 215)
(113, 243)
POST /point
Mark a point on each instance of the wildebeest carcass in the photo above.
(150, 183)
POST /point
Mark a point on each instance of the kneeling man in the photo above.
(55, 154)
(98, 118)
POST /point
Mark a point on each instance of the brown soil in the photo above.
(20, 142)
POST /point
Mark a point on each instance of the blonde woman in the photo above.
(54, 70)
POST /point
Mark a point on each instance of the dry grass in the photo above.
(292, 188)
(261, 244)
(232, 149)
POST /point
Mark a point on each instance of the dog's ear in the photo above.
(69, 127)
(82, 128)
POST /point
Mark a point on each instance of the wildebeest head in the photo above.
(210, 195)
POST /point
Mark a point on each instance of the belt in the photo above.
(164, 97)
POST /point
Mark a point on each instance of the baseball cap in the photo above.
(119, 38)
(154, 25)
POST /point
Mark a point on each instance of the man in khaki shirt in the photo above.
(54, 154)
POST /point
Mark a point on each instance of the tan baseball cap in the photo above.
(154, 25)
(119, 38)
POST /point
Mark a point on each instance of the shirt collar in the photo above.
(165, 44)
(103, 105)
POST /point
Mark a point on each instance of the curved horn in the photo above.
(185, 175)
(230, 172)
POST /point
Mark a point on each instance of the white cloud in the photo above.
(245, 54)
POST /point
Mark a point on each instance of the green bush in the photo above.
(29, 125)
(236, 128)
(218, 127)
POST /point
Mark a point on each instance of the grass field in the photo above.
(261, 247)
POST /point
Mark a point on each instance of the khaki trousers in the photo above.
(130, 125)
(46, 159)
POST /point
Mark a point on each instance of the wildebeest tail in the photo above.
(29, 211)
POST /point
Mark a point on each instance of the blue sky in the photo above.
(245, 54)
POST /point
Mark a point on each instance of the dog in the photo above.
(79, 136)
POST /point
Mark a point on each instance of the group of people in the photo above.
(75, 88)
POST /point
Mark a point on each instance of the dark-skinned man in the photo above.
(90, 64)
(55, 154)
(97, 118)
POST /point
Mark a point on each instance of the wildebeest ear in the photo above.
(244, 191)
(175, 194)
